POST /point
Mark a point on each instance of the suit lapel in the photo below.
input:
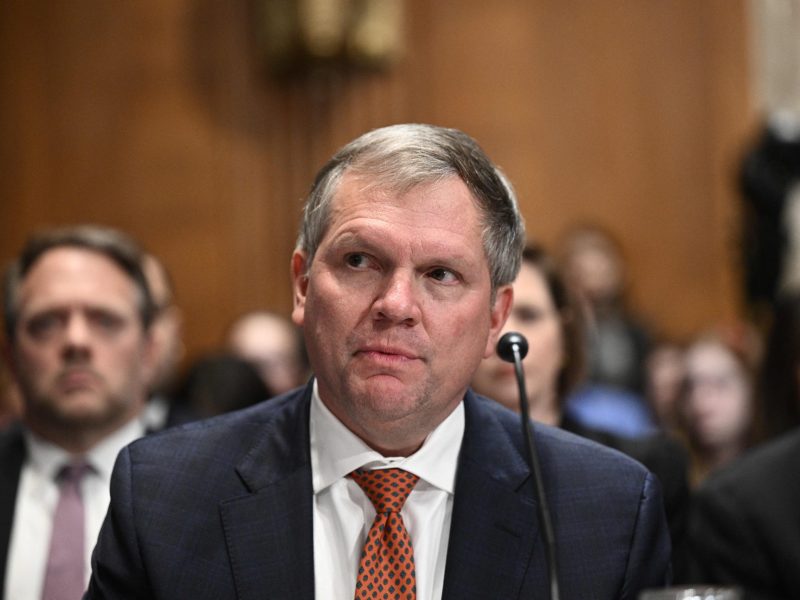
(494, 523)
(268, 530)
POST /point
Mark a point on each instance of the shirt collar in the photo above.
(47, 458)
(337, 451)
(104, 454)
(44, 457)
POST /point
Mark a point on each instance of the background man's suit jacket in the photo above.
(223, 509)
(744, 526)
(12, 455)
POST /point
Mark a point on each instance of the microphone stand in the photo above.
(513, 347)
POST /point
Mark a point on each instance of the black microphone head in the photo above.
(506, 344)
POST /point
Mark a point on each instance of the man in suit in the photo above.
(402, 281)
(77, 312)
(744, 528)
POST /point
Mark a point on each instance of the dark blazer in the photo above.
(744, 525)
(223, 509)
(12, 455)
(668, 460)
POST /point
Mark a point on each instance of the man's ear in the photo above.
(299, 274)
(504, 298)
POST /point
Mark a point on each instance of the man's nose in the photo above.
(77, 337)
(398, 300)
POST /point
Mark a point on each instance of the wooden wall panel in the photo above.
(630, 114)
(159, 117)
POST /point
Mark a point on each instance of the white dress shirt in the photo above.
(37, 497)
(343, 514)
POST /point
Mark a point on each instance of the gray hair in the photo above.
(122, 250)
(401, 157)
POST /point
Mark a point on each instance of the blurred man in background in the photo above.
(77, 317)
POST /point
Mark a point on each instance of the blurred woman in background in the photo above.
(665, 374)
(548, 315)
(717, 407)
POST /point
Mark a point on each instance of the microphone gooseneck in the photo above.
(513, 347)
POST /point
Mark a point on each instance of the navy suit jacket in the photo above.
(223, 509)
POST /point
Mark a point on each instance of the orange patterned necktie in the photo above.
(386, 568)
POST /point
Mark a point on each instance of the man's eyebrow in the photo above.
(356, 238)
(373, 242)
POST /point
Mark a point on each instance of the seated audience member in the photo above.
(78, 312)
(402, 274)
(214, 385)
(546, 312)
(618, 342)
(167, 334)
(744, 528)
(665, 372)
(716, 407)
(273, 345)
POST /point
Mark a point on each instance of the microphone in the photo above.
(513, 347)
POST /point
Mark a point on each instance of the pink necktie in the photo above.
(65, 562)
(386, 569)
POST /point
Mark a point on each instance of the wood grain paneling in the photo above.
(159, 117)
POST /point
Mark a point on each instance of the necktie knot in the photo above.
(387, 489)
(73, 472)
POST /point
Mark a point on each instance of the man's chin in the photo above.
(81, 408)
(389, 394)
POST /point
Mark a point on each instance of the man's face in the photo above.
(396, 308)
(80, 355)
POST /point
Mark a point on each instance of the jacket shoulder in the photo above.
(225, 439)
(562, 452)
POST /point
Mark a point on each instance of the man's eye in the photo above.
(43, 325)
(528, 314)
(106, 321)
(443, 275)
(357, 260)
